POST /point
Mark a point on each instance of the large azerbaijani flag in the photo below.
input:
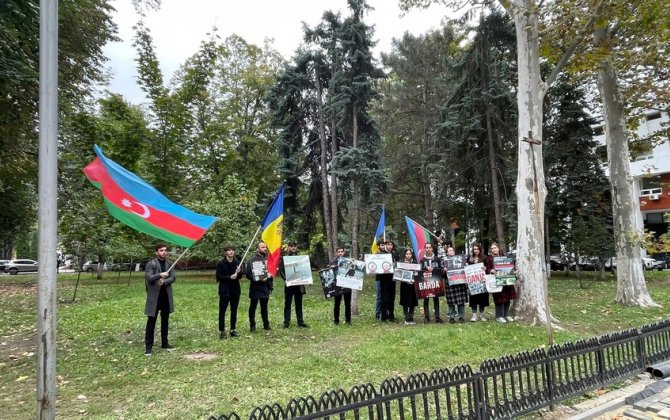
(142, 207)
(380, 231)
(419, 236)
(272, 230)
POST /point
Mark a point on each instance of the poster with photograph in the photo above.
(475, 277)
(402, 275)
(505, 273)
(378, 263)
(429, 286)
(455, 265)
(297, 270)
(259, 270)
(350, 273)
(330, 289)
(492, 284)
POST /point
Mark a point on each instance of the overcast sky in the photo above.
(179, 26)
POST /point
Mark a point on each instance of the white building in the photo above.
(650, 168)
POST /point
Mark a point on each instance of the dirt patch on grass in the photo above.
(201, 356)
(17, 346)
(9, 290)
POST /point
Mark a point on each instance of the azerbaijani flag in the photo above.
(142, 207)
(419, 235)
(272, 229)
(380, 231)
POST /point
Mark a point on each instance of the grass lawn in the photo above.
(103, 373)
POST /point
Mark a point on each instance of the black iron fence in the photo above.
(503, 388)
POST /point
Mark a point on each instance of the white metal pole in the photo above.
(47, 213)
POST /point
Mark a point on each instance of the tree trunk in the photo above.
(493, 166)
(530, 188)
(355, 220)
(425, 175)
(325, 196)
(333, 186)
(631, 286)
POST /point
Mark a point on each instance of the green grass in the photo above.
(103, 373)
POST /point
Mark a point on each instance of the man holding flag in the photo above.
(134, 202)
(379, 246)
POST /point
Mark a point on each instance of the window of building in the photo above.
(654, 218)
(598, 130)
(641, 150)
(650, 185)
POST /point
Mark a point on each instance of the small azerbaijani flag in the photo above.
(132, 201)
(419, 236)
(272, 230)
(379, 232)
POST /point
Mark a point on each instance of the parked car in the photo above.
(663, 261)
(647, 263)
(3, 263)
(19, 266)
(91, 266)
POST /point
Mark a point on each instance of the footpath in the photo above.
(644, 399)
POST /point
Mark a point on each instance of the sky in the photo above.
(179, 26)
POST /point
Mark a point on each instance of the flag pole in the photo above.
(174, 264)
(248, 248)
(48, 209)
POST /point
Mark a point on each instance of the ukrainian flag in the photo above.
(272, 230)
(380, 231)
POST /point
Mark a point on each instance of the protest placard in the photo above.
(297, 270)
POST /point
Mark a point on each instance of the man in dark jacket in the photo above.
(158, 282)
(260, 287)
(291, 292)
(228, 276)
(387, 287)
(339, 253)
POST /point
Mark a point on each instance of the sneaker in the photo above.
(461, 320)
(302, 325)
(252, 328)
(452, 321)
(222, 335)
(438, 320)
(147, 352)
(509, 319)
(286, 324)
(501, 320)
(474, 317)
(481, 317)
(168, 347)
(233, 333)
(266, 327)
(411, 323)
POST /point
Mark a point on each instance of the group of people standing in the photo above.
(457, 295)
(159, 279)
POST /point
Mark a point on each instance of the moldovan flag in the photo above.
(380, 231)
(272, 230)
(139, 205)
(419, 235)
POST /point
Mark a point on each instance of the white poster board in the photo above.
(350, 274)
(297, 270)
(378, 264)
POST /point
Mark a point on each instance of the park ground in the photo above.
(102, 371)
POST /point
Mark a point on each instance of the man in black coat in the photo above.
(228, 276)
(339, 253)
(260, 287)
(291, 292)
(387, 287)
(158, 283)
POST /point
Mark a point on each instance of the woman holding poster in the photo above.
(481, 300)
(408, 299)
(457, 292)
(502, 300)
